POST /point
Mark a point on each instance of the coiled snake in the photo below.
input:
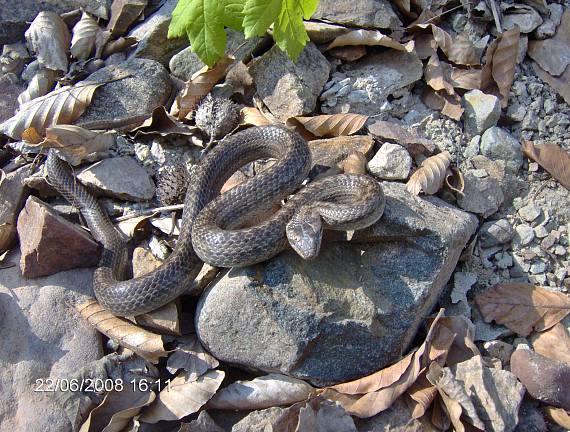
(212, 226)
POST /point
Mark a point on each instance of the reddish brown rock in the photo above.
(545, 379)
(12, 196)
(50, 244)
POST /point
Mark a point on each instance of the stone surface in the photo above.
(144, 262)
(545, 379)
(13, 194)
(204, 423)
(10, 88)
(481, 195)
(287, 88)
(481, 111)
(368, 13)
(348, 313)
(320, 32)
(496, 143)
(391, 162)
(530, 212)
(259, 420)
(50, 243)
(523, 16)
(496, 394)
(524, 235)
(499, 349)
(119, 177)
(496, 232)
(397, 418)
(148, 87)
(41, 336)
(530, 418)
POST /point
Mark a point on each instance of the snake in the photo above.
(214, 227)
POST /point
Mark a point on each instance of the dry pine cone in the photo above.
(217, 116)
(171, 184)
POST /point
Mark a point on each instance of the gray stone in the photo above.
(481, 111)
(496, 232)
(320, 32)
(530, 417)
(481, 195)
(287, 88)
(499, 349)
(147, 87)
(496, 143)
(391, 162)
(504, 260)
(524, 234)
(368, 13)
(397, 418)
(523, 16)
(41, 337)
(540, 231)
(14, 194)
(351, 311)
(529, 212)
(538, 267)
(473, 147)
(119, 177)
(10, 88)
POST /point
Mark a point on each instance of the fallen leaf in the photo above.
(146, 344)
(449, 105)
(61, 106)
(348, 53)
(552, 158)
(319, 415)
(553, 343)
(123, 14)
(48, 36)
(328, 152)
(523, 307)
(84, 35)
(355, 163)
(560, 84)
(254, 117)
(183, 397)
(199, 86)
(498, 74)
(164, 320)
(41, 84)
(463, 346)
(238, 78)
(330, 125)
(454, 180)
(435, 77)
(368, 38)
(262, 392)
(558, 416)
(74, 143)
(467, 79)
(191, 356)
(163, 124)
(429, 177)
(117, 45)
(391, 131)
(135, 227)
(459, 50)
(422, 393)
(553, 54)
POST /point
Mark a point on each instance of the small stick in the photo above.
(149, 212)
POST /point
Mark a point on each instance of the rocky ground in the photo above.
(473, 97)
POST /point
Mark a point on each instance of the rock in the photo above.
(523, 16)
(204, 423)
(481, 195)
(524, 234)
(41, 337)
(496, 143)
(397, 418)
(10, 88)
(152, 35)
(348, 313)
(473, 147)
(259, 420)
(119, 177)
(500, 350)
(287, 88)
(144, 262)
(50, 244)
(530, 212)
(368, 13)
(530, 418)
(321, 33)
(374, 78)
(148, 87)
(545, 379)
(540, 231)
(14, 194)
(504, 260)
(538, 267)
(496, 394)
(481, 111)
(496, 232)
(391, 162)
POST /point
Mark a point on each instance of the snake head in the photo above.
(305, 233)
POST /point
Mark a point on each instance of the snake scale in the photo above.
(213, 226)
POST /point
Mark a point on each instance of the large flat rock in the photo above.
(353, 310)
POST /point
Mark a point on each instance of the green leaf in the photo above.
(309, 8)
(259, 15)
(289, 32)
(179, 20)
(233, 13)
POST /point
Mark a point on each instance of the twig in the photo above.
(496, 15)
(149, 212)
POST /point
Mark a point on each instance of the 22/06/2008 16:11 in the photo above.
(98, 385)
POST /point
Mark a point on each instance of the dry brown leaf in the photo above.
(84, 35)
(31, 136)
(74, 143)
(123, 14)
(199, 86)
(317, 415)
(558, 416)
(435, 77)
(415, 144)
(118, 45)
(454, 180)
(553, 54)
(498, 73)
(191, 356)
(135, 227)
(254, 117)
(238, 78)
(144, 343)
(117, 409)
(429, 177)
(355, 163)
(183, 397)
(61, 106)
(553, 343)
(163, 124)
(463, 346)
(48, 36)
(41, 84)
(422, 393)
(330, 125)
(449, 105)
(368, 38)
(348, 53)
(523, 307)
(552, 158)
(164, 320)
(467, 79)
(459, 50)
(261, 392)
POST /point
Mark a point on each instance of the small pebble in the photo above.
(504, 260)
(539, 267)
(533, 167)
(560, 250)
(548, 241)
(500, 350)
(529, 212)
(480, 173)
(540, 231)
(525, 234)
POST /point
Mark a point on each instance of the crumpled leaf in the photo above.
(74, 143)
(321, 415)
(41, 84)
(48, 36)
(552, 158)
(463, 346)
(498, 74)
(523, 307)
(117, 409)
(262, 392)
(459, 50)
(434, 76)
(164, 320)
(123, 14)
(330, 125)
(368, 38)
(183, 397)
(163, 124)
(558, 416)
(454, 180)
(84, 35)
(553, 343)
(117, 45)
(449, 105)
(429, 177)
(422, 393)
(560, 84)
(191, 356)
(61, 106)
(254, 117)
(391, 131)
(199, 86)
(146, 344)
